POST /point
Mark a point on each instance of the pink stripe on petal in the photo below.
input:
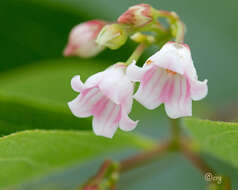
(104, 124)
(171, 89)
(81, 106)
(146, 95)
(167, 90)
(112, 119)
(98, 108)
(118, 117)
(151, 100)
(176, 108)
(147, 90)
(87, 94)
(180, 90)
(156, 83)
(110, 114)
(188, 89)
(148, 75)
(163, 95)
(183, 90)
(107, 117)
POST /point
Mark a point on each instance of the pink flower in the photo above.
(82, 39)
(138, 15)
(107, 96)
(169, 77)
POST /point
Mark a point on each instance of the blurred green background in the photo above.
(35, 78)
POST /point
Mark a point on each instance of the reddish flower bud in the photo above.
(138, 15)
(82, 39)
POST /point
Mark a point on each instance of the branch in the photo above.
(110, 170)
(142, 158)
(195, 159)
(216, 182)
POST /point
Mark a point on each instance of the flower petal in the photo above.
(173, 111)
(167, 89)
(105, 122)
(126, 124)
(76, 84)
(175, 57)
(151, 86)
(134, 72)
(94, 80)
(82, 105)
(199, 89)
(116, 85)
(127, 104)
(180, 104)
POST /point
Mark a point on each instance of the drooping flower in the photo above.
(82, 39)
(107, 96)
(169, 77)
(137, 16)
(112, 36)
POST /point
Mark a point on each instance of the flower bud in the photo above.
(82, 39)
(137, 16)
(112, 36)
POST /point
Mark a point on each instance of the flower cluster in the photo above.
(168, 77)
(90, 38)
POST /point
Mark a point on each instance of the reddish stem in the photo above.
(139, 159)
(195, 159)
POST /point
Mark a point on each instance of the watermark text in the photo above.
(209, 177)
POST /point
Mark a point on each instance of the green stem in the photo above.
(176, 25)
(175, 131)
(180, 32)
(137, 53)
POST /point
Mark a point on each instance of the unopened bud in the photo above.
(112, 36)
(138, 15)
(142, 38)
(82, 39)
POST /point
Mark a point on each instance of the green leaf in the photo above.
(38, 153)
(219, 139)
(42, 30)
(36, 96)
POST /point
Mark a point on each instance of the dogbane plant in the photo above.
(168, 77)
